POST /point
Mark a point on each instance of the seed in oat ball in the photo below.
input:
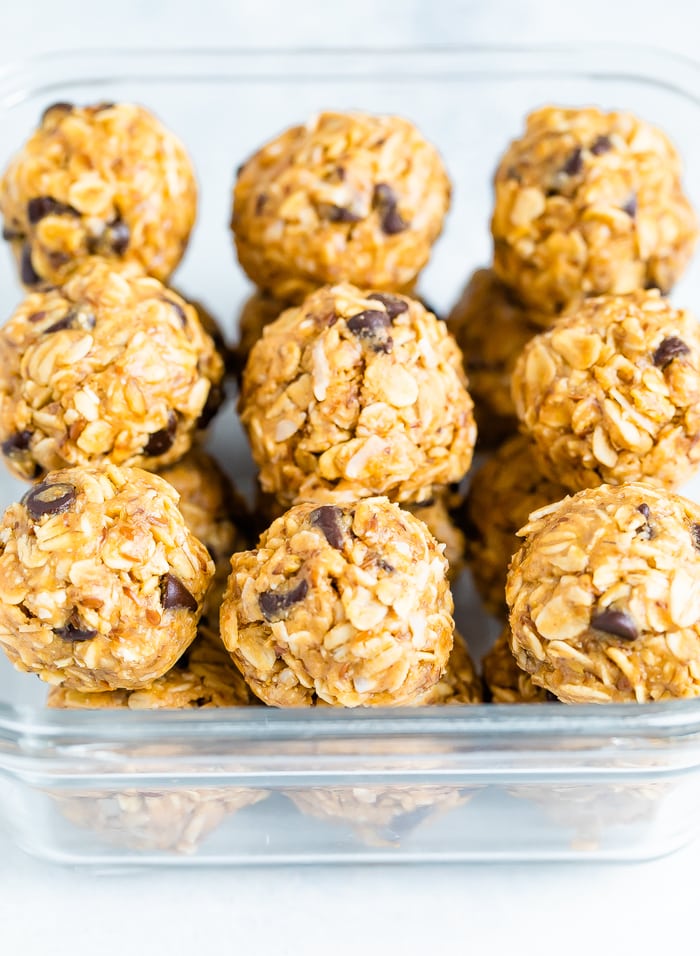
(347, 196)
(589, 203)
(106, 180)
(98, 370)
(311, 624)
(611, 393)
(336, 409)
(580, 555)
(82, 589)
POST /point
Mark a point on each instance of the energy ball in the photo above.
(101, 582)
(491, 328)
(215, 514)
(105, 180)
(604, 596)
(502, 494)
(612, 393)
(346, 605)
(348, 196)
(354, 394)
(112, 366)
(505, 681)
(589, 203)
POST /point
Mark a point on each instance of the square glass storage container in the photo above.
(255, 785)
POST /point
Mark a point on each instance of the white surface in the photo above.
(576, 909)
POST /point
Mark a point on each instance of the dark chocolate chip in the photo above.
(119, 235)
(386, 200)
(28, 273)
(174, 594)
(11, 234)
(162, 440)
(333, 213)
(16, 443)
(385, 566)
(275, 605)
(178, 309)
(643, 509)
(646, 531)
(373, 326)
(618, 623)
(393, 305)
(49, 499)
(574, 164)
(260, 201)
(695, 535)
(630, 207)
(59, 107)
(42, 206)
(669, 349)
(602, 145)
(215, 400)
(75, 319)
(327, 519)
(74, 631)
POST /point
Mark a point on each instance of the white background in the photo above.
(531, 909)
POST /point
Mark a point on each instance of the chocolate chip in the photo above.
(119, 236)
(393, 305)
(27, 271)
(16, 443)
(373, 326)
(75, 631)
(695, 535)
(385, 566)
(178, 309)
(162, 440)
(386, 201)
(42, 206)
(45, 499)
(327, 519)
(75, 319)
(618, 623)
(11, 234)
(643, 509)
(174, 594)
(574, 164)
(58, 107)
(275, 605)
(333, 213)
(669, 349)
(630, 207)
(260, 201)
(215, 400)
(602, 145)
(646, 531)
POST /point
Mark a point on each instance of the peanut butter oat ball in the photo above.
(348, 196)
(491, 328)
(612, 393)
(353, 394)
(505, 681)
(112, 366)
(502, 494)
(589, 203)
(105, 180)
(101, 583)
(604, 596)
(214, 512)
(346, 605)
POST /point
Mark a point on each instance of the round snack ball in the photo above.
(501, 496)
(612, 393)
(101, 582)
(347, 605)
(353, 394)
(205, 676)
(112, 366)
(492, 328)
(589, 203)
(348, 196)
(213, 511)
(105, 180)
(505, 682)
(604, 596)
